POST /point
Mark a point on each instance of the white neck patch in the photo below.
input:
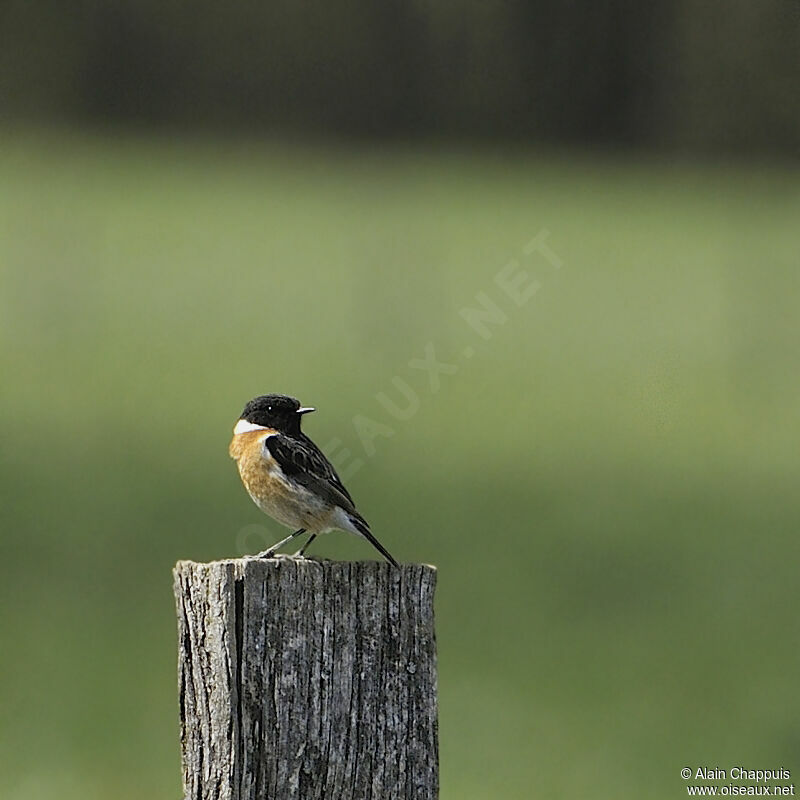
(243, 426)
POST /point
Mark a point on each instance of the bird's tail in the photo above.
(361, 525)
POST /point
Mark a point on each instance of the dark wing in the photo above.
(302, 461)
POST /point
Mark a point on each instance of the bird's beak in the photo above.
(307, 410)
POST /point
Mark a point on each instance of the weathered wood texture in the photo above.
(307, 679)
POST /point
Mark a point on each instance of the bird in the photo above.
(289, 478)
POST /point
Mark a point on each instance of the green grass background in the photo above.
(608, 486)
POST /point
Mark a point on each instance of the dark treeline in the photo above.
(690, 74)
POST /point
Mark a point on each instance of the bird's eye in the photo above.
(269, 409)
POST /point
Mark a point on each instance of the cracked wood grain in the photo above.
(307, 679)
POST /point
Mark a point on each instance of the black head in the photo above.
(275, 411)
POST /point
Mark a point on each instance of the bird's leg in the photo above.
(303, 549)
(271, 552)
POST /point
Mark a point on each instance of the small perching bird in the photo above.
(289, 478)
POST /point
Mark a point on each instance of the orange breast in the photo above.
(243, 444)
(285, 501)
(259, 471)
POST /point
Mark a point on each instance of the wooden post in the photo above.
(307, 679)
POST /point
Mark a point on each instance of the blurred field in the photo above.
(608, 487)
